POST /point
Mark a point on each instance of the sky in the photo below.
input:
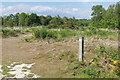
(78, 9)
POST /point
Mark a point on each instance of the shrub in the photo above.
(36, 33)
(40, 33)
(52, 34)
(9, 32)
(43, 33)
(48, 34)
(66, 33)
(92, 72)
(116, 66)
(27, 39)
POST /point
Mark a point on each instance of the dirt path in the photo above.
(40, 53)
(45, 54)
(12, 51)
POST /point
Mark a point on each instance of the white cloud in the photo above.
(25, 8)
(75, 9)
(41, 8)
(45, 10)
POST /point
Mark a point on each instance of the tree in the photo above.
(69, 24)
(9, 20)
(117, 11)
(57, 20)
(10, 23)
(33, 19)
(109, 20)
(16, 19)
(48, 18)
(1, 20)
(27, 20)
(22, 17)
(97, 15)
(65, 19)
(43, 20)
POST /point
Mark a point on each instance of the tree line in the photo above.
(106, 18)
(101, 18)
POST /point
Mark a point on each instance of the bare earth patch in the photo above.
(17, 70)
(45, 54)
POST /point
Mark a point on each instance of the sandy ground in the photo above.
(44, 53)
(19, 71)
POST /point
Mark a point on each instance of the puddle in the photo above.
(17, 70)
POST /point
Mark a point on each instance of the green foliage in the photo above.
(108, 53)
(105, 18)
(40, 33)
(101, 18)
(27, 39)
(52, 34)
(100, 34)
(93, 73)
(30, 75)
(102, 48)
(9, 32)
(51, 26)
(16, 19)
(97, 15)
(23, 19)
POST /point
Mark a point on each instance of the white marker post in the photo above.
(81, 48)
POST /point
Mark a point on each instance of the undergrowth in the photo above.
(10, 32)
(104, 65)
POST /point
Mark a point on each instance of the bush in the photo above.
(43, 33)
(8, 32)
(40, 33)
(48, 34)
(52, 34)
(27, 39)
(66, 33)
(51, 26)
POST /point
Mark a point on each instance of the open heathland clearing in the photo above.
(53, 53)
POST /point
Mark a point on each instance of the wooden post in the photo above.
(81, 48)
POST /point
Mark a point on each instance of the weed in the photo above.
(9, 75)
(93, 73)
(24, 70)
(51, 34)
(5, 70)
(9, 32)
(40, 33)
(28, 39)
(30, 75)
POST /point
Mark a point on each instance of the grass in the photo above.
(66, 33)
(6, 70)
(98, 34)
(13, 32)
(28, 39)
(26, 68)
(9, 32)
(97, 68)
(30, 75)
(44, 33)
(52, 34)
